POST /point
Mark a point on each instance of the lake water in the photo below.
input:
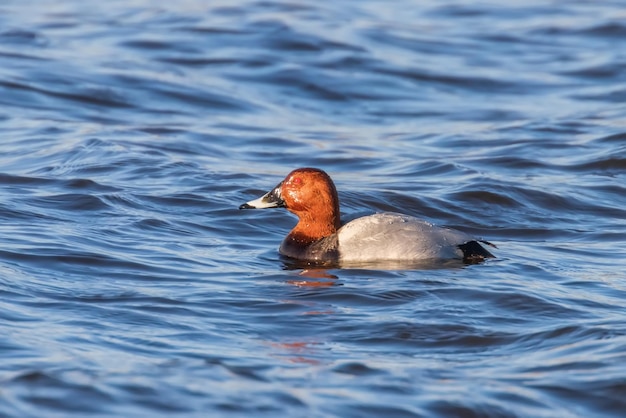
(132, 286)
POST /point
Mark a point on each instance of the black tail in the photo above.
(473, 252)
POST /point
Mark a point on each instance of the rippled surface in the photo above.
(130, 284)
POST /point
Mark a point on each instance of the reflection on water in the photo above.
(316, 277)
(315, 269)
(132, 286)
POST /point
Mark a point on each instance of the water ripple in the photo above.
(132, 285)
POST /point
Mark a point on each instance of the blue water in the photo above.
(131, 131)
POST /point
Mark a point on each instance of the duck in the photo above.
(319, 237)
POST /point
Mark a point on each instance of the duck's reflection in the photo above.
(320, 269)
(314, 278)
(300, 351)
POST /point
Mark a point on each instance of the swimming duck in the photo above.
(310, 194)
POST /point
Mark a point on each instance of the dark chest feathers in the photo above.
(299, 247)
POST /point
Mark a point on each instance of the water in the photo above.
(130, 284)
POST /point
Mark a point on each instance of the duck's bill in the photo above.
(271, 199)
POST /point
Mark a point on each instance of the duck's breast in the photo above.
(391, 236)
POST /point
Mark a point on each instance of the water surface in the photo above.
(131, 285)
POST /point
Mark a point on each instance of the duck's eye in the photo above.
(296, 180)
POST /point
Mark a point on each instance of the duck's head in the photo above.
(309, 193)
